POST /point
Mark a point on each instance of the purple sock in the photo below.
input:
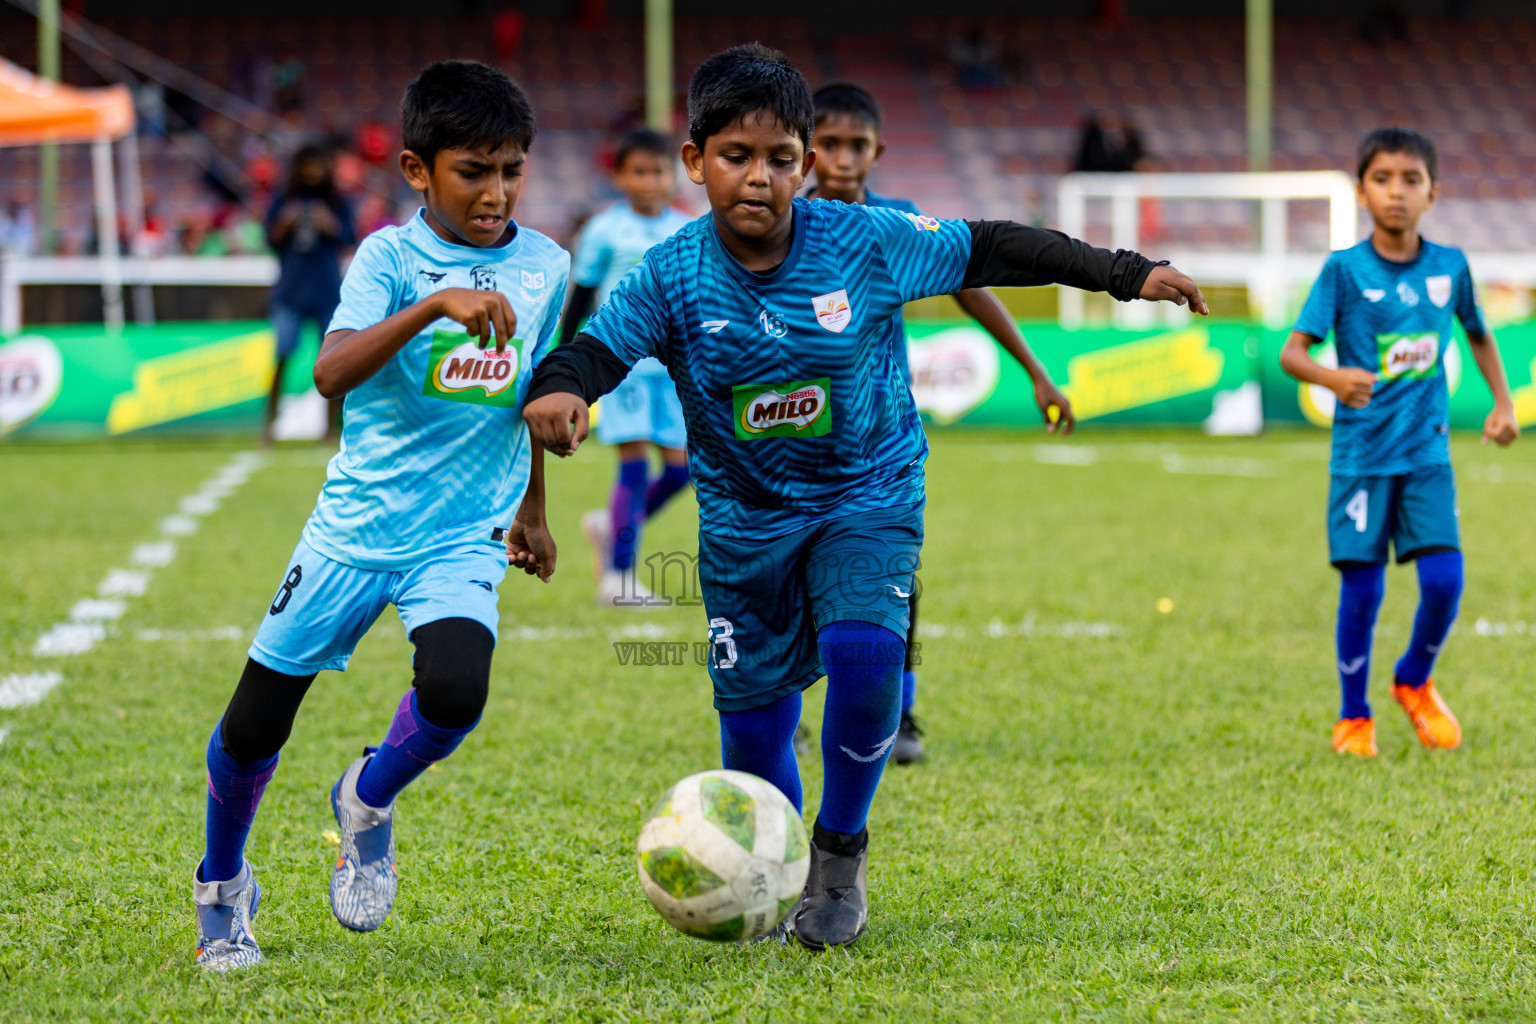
(626, 512)
(672, 479)
(412, 746)
(234, 791)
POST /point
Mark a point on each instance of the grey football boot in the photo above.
(835, 910)
(908, 748)
(225, 909)
(364, 880)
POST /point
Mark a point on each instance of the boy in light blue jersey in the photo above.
(1389, 302)
(643, 410)
(848, 146)
(775, 318)
(418, 506)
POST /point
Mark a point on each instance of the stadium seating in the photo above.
(979, 151)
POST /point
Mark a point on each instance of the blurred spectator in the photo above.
(309, 226)
(18, 229)
(977, 58)
(507, 33)
(374, 142)
(1108, 144)
(288, 84)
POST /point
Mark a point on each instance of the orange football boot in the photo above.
(1431, 718)
(1355, 736)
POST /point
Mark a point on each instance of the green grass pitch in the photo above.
(1126, 814)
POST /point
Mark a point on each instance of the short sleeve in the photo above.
(925, 256)
(370, 290)
(1322, 306)
(633, 322)
(593, 254)
(1468, 309)
(549, 330)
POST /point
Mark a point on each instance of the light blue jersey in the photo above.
(614, 242)
(1393, 319)
(791, 380)
(434, 454)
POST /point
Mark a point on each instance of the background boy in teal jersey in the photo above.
(434, 462)
(848, 145)
(1388, 302)
(643, 410)
(775, 318)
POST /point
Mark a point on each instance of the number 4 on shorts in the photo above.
(1359, 509)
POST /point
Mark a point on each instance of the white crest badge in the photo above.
(832, 310)
(1439, 289)
(533, 280)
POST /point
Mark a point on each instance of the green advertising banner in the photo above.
(78, 381)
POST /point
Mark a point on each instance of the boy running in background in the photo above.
(434, 461)
(775, 317)
(643, 411)
(1389, 302)
(848, 146)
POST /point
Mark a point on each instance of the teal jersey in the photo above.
(1393, 319)
(434, 454)
(790, 380)
(612, 244)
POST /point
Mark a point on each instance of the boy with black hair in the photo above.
(1389, 302)
(417, 507)
(774, 316)
(642, 411)
(848, 146)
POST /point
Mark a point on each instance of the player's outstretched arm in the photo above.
(1353, 386)
(1007, 254)
(348, 358)
(530, 546)
(564, 387)
(1501, 426)
(987, 310)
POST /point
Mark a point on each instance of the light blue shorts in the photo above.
(644, 407)
(323, 607)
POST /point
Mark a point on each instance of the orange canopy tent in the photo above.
(35, 111)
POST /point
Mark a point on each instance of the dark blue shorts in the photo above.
(767, 599)
(1416, 512)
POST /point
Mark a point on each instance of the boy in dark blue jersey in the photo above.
(775, 318)
(1389, 302)
(848, 146)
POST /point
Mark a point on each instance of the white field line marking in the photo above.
(1066, 454)
(1482, 627)
(1494, 473)
(3, 733)
(95, 609)
(69, 638)
(22, 689)
(124, 583)
(1028, 626)
(1217, 465)
(156, 636)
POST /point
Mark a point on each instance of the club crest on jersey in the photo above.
(533, 280)
(483, 278)
(1439, 289)
(921, 222)
(793, 409)
(1408, 356)
(458, 370)
(832, 310)
(1406, 294)
(773, 324)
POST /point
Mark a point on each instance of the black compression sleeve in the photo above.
(1012, 255)
(585, 367)
(583, 298)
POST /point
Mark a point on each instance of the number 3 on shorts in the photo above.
(1359, 509)
(722, 649)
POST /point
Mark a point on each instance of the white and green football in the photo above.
(724, 856)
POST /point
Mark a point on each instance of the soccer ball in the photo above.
(724, 856)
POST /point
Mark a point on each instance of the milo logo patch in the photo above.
(1408, 356)
(799, 409)
(458, 370)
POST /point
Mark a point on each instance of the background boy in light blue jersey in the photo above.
(434, 462)
(848, 145)
(1388, 303)
(775, 318)
(643, 410)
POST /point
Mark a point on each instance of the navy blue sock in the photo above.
(672, 479)
(864, 667)
(1361, 588)
(908, 691)
(234, 791)
(762, 741)
(1440, 580)
(626, 511)
(412, 745)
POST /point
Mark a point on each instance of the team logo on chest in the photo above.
(533, 280)
(1439, 289)
(773, 324)
(483, 278)
(832, 310)
(1406, 295)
